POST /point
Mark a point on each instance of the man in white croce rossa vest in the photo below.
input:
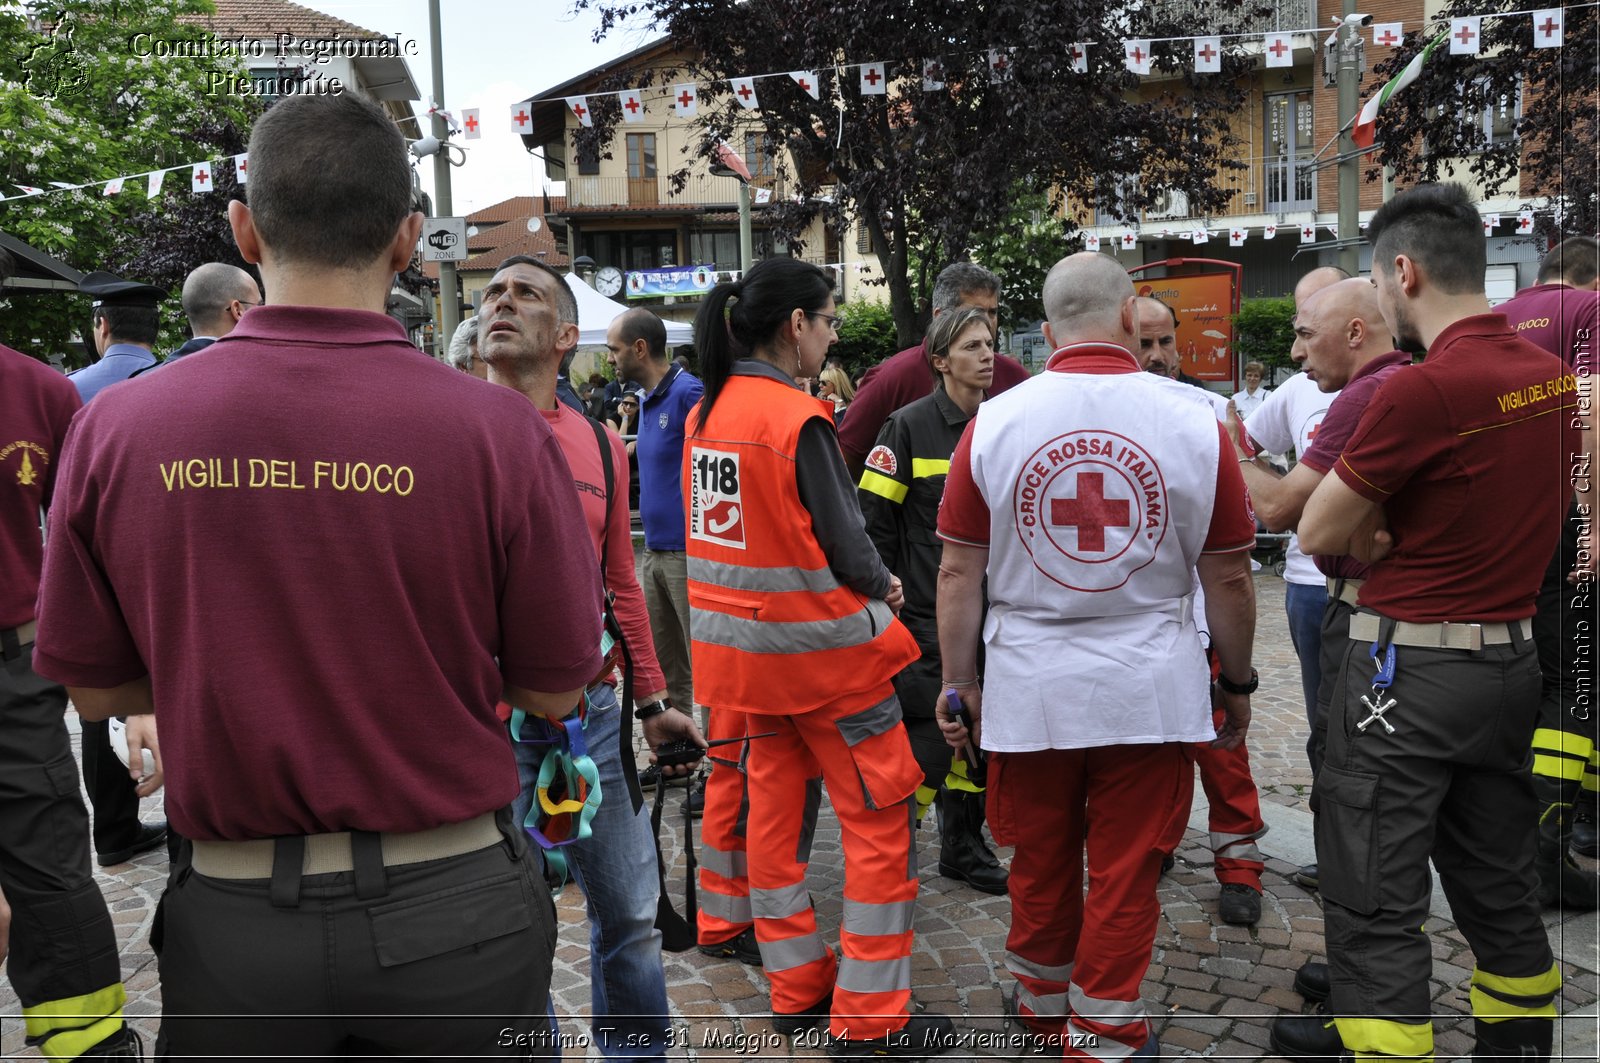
(1090, 496)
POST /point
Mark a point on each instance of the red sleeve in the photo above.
(868, 410)
(1333, 434)
(1232, 527)
(622, 580)
(1404, 428)
(963, 514)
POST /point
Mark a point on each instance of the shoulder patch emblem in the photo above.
(882, 460)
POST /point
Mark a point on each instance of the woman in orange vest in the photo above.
(793, 629)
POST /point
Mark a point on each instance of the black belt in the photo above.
(13, 640)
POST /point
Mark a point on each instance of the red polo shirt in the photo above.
(1468, 453)
(964, 515)
(1560, 319)
(329, 552)
(36, 405)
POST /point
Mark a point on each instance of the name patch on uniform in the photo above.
(30, 459)
(1090, 509)
(882, 459)
(716, 511)
(287, 474)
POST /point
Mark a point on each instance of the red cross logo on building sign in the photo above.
(1388, 40)
(1278, 48)
(1208, 53)
(685, 98)
(578, 109)
(1549, 28)
(202, 176)
(872, 76)
(1091, 512)
(472, 123)
(1137, 54)
(521, 118)
(1465, 35)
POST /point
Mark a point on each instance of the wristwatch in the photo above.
(1231, 687)
(653, 708)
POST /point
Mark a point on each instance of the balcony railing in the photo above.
(1265, 186)
(621, 193)
(1287, 15)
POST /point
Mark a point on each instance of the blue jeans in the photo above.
(1304, 603)
(616, 869)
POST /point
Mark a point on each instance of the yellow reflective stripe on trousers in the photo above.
(922, 468)
(1370, 1038)
(884, 486)
(924, 797)
(73, 1013)
(791, 637)
(1561, 755)
(70, 1044)
(1496, 998)
(956, 778)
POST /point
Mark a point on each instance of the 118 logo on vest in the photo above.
(1090, 509)
(716, 513)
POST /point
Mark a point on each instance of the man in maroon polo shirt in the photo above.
(325, 673)
(904, 378)
(1561, 314)
(1438, 690)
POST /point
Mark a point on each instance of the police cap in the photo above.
(111, 290)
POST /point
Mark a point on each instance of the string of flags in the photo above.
(1128, 239)
(1137, 53)
(201, 179)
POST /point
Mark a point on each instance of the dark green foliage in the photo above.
(1263, 331)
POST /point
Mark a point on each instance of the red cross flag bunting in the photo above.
(156, 179)
(1130, 240)
(873, 81)
(580, 107)
(1524, 223)
(200, 177)
(685, 100)
(932, 75)
(114, 186)
(999, 63)
(1080, 58)
(241, 167)
(632, 105)
(1387, 34)
(1268, 232)
(1308, 234)
(807, 80)
(1200, 236)
(1280, 49)
(1208, 55)
(1547, 28)
(472, 122)
(1464, 35)
(1136, 55)
(521, 119)
(1236, 236)
(1091, 241)
(744, 90)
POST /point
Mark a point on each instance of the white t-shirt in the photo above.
(1247, 403)
(1287, 419)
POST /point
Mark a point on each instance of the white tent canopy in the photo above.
(596, 312)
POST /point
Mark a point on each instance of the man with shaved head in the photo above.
(1090, 551)
(215, 296)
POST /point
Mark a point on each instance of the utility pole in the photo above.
(449, 294)
(746, 243)
(1349, 162)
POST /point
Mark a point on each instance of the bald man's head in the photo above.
(215, 296)
(1088, 296)
(1339, 329)
(1318, 279)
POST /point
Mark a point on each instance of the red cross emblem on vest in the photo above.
(1090, 512)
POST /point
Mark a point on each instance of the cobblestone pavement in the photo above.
(1211, 988)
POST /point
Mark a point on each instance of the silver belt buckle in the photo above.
(1470, 634)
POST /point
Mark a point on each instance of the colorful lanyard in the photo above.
(567, 791)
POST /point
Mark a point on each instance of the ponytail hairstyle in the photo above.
(770, 292)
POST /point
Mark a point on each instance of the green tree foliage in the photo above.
(84, 98)
(1439, 121)
(866, 336)
(1263, 331)
(930, 172)
(1020, 250)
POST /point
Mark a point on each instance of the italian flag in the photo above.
(1366, 129)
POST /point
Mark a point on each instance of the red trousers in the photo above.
(1079, 958)
(724, 881)
(1235, 818)
(858, 748)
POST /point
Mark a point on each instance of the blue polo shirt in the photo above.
(660, 452)
(120, 361)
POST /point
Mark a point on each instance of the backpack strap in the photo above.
(625, 729)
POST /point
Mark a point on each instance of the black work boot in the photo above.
(1562, 883)
(1585, 839)
(1514, 1039)
(962, 852)
(124, 1044)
